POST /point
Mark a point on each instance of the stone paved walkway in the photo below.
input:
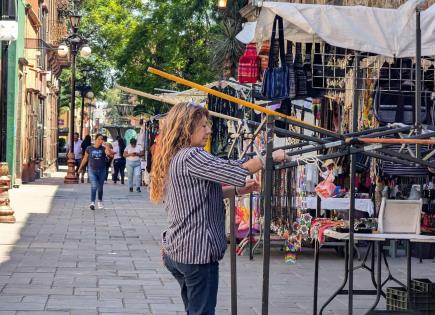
(62, 258)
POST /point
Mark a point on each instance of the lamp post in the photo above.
(91, 107)
(73, 43)
(85, 92)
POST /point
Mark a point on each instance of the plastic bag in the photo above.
(326, 188)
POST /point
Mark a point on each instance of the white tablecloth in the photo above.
(365, 205)
(415, 238)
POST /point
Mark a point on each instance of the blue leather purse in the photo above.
(276, 79)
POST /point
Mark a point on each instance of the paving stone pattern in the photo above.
(62, 258)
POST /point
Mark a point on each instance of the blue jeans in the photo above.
(133, 173)
(97, 178)
(199, 285)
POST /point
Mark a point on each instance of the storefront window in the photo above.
(8, 10)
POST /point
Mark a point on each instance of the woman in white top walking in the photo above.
(132, 154)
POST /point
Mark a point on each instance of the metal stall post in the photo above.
(233, 261)
(317, 252)
(251, 195)
(352, 187)
(316, 261)
(267, 213)
(418, 86)
(251, 200)
(418, 81)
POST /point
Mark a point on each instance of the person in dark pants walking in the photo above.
(87, 141)
(119, 160)
(97, 155)
(190, 180)
(109, 159)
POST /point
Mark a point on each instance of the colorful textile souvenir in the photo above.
(249, 65)
(300, 233)
(320, 225)
(242, 216)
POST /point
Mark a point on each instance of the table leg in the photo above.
(316, 275)
(408, 265)
(346, 277)
(390, 276)
(378, 246)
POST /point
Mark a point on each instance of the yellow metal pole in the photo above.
(235, 99)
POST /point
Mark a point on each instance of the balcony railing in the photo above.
(57, 31)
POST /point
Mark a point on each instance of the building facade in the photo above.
(38, 89)
(29, 89)
(11, 11)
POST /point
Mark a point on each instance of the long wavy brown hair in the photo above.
(175, 133)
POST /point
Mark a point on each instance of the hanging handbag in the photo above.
(285, 108)
(264, 57)
(394, 97)
(301, 77)
(276, 80)
(291, 71)
(307, 69)
(249, 64)
(390, 106)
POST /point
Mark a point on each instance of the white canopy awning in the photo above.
(8, 30)
(387, 32)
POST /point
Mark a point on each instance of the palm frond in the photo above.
(226, 48)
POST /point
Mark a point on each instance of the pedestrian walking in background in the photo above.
(109, 158)
(86, 143)
(190, 180)
(132, 153)
(118, 160)
(77, 150)
(96, 157)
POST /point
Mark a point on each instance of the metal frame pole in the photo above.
(316, 260)
(233, 260)
(352, 187)
(401, 160)
(418, 81)
(378, 132)
(251, 195)
(267, 213)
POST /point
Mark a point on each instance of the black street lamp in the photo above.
(85, 92)
(73, 44)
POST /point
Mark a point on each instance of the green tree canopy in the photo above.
(177, 36)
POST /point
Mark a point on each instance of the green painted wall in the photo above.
(16, 51)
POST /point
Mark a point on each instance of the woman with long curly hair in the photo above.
(190, 180)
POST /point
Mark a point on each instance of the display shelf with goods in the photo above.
(347, 131)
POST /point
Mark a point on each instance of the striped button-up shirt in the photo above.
(194, 203)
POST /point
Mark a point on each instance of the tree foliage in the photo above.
(189, 38)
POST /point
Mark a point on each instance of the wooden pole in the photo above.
(170, 102)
